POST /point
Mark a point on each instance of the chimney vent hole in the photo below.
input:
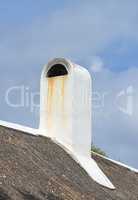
(57, 70)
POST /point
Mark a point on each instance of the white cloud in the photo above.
(76, 31)
(114, 125)
(97, 64)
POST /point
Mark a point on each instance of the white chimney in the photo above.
(65, 112)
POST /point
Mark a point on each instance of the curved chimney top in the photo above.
(57, 67)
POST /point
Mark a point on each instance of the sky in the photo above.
(99, 35)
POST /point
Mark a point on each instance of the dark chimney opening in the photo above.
(57, 70)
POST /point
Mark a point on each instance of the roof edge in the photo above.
(21, 128)
(117, 163)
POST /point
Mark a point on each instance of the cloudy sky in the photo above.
(100, 35)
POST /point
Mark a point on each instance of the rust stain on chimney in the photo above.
(56, 97)
(64, 78)
(50, 94)
(49, 99)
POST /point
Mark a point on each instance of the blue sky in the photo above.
(101, 36)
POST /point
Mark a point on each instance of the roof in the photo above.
(35, 168)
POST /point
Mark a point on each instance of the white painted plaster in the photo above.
(118, 163)
(65, 114)
(18, 127)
